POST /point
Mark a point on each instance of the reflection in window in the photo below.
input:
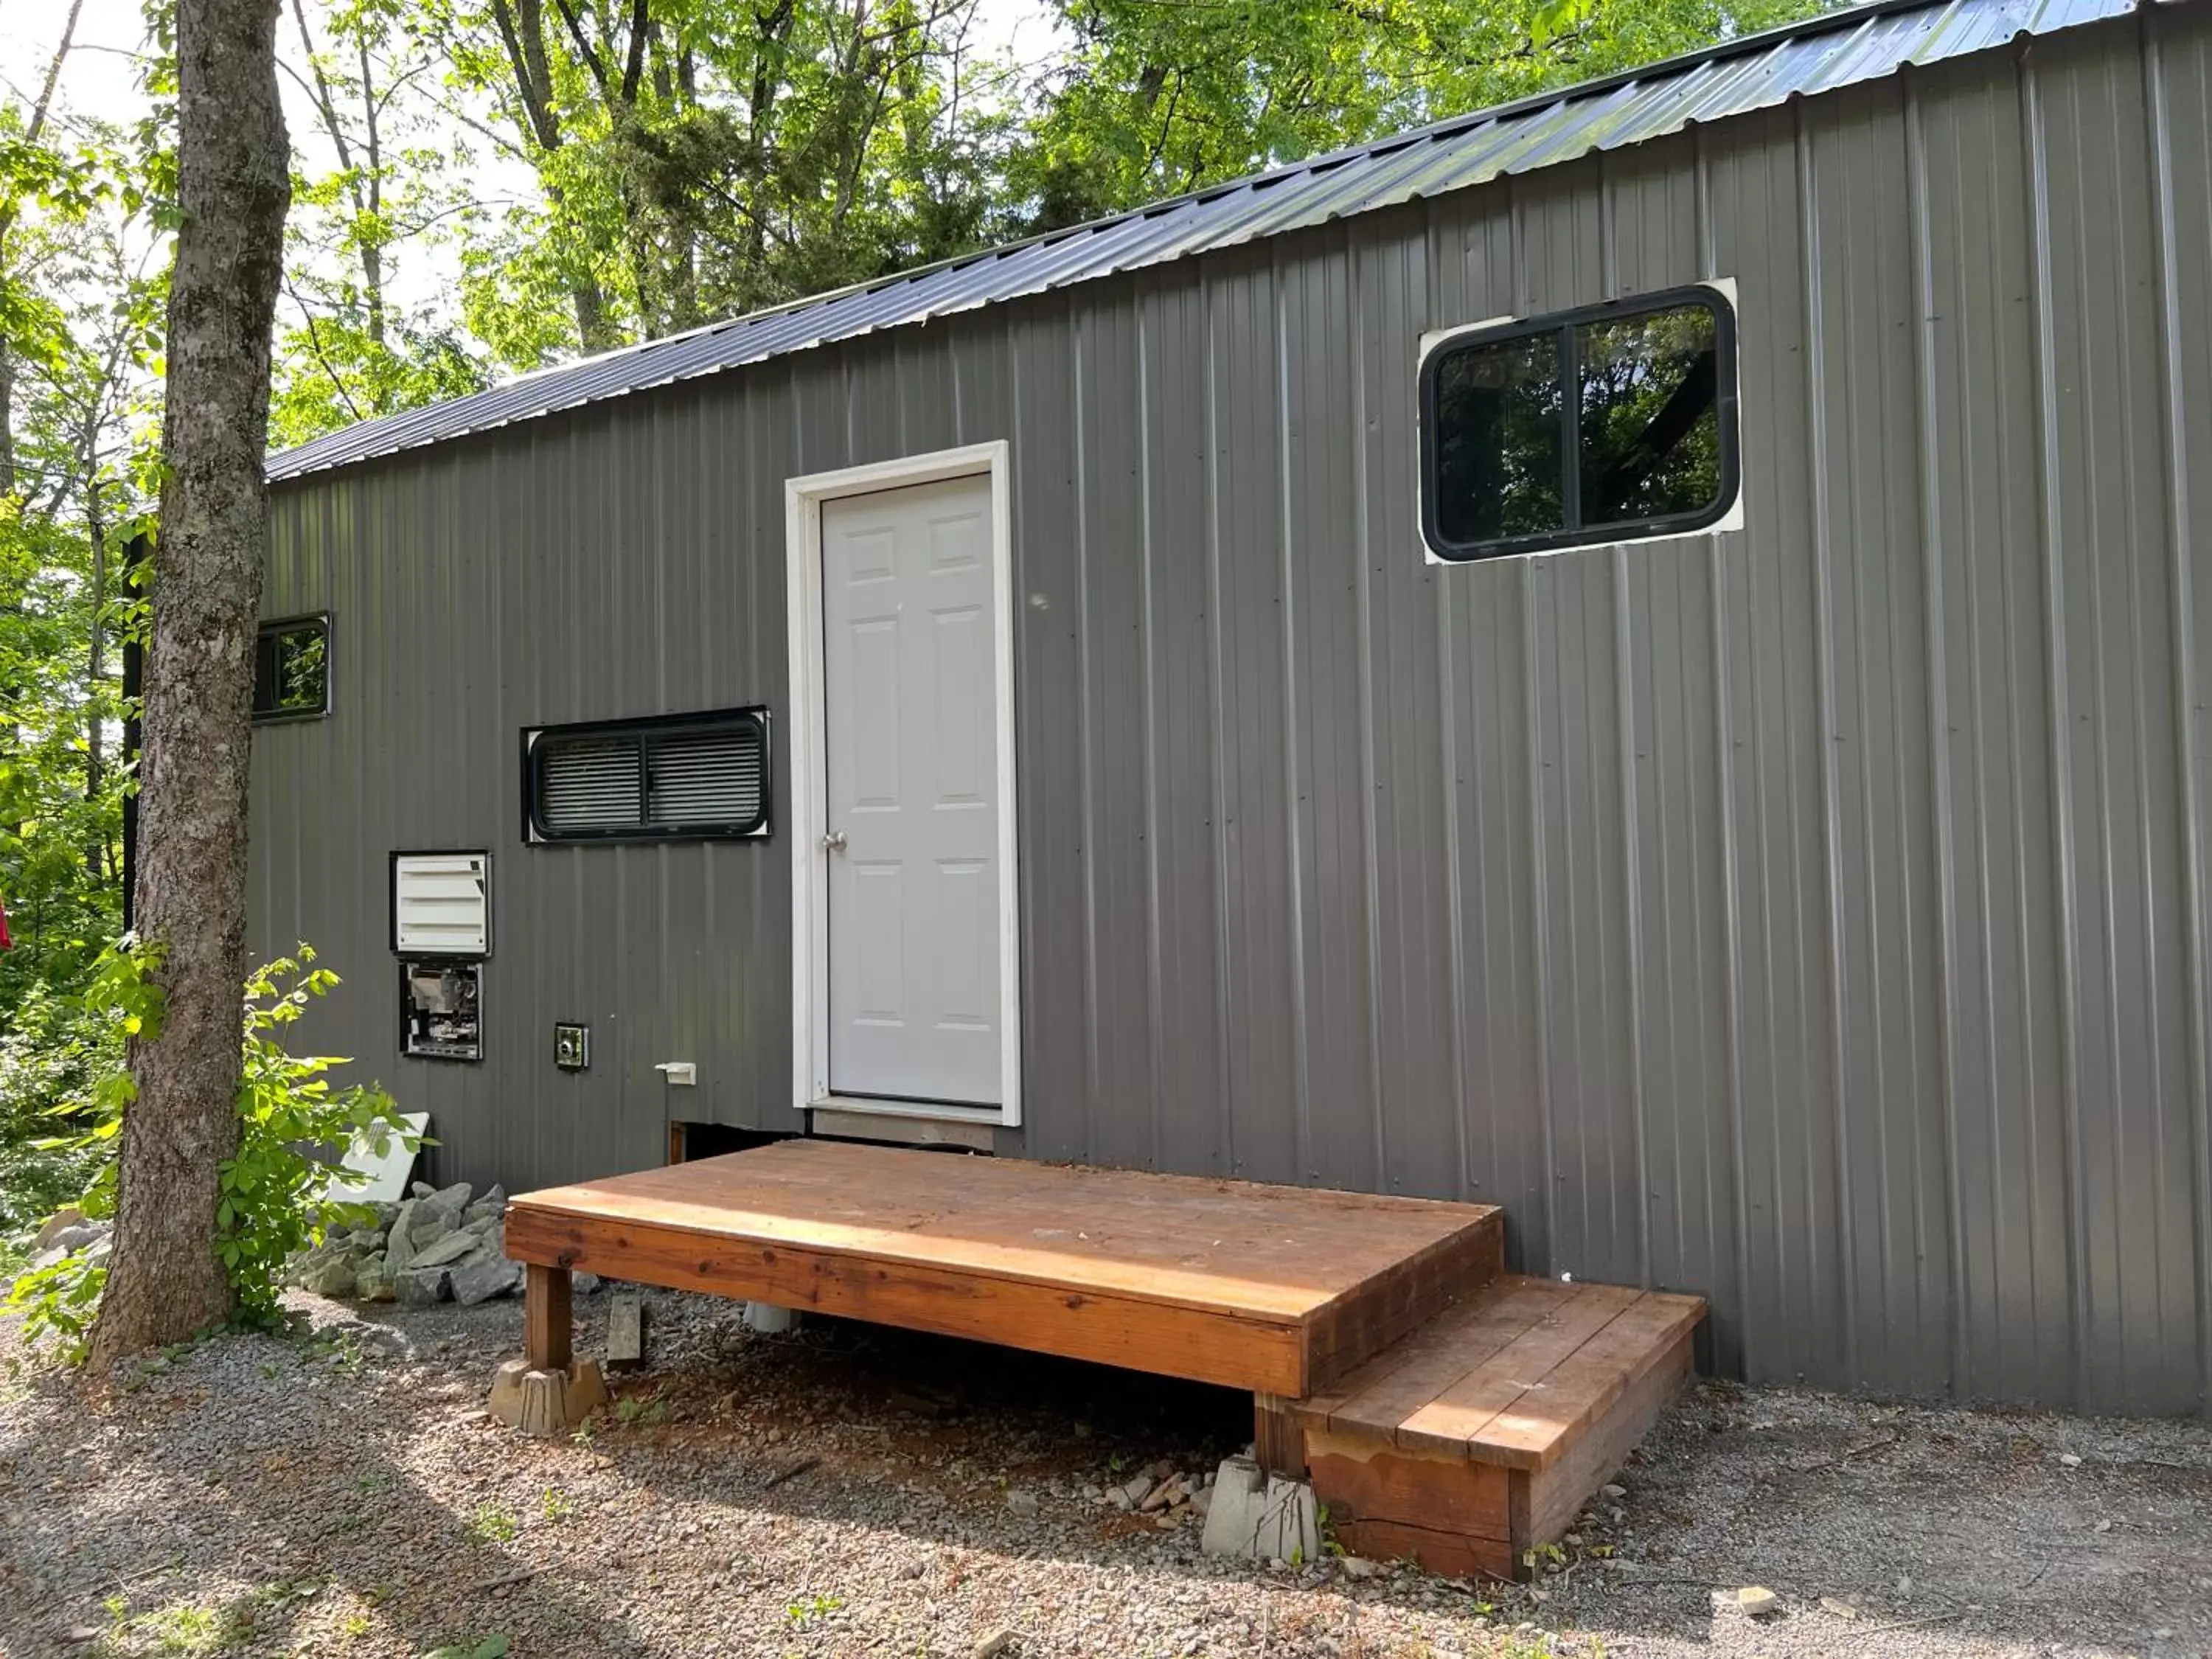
(1498, 441)
(1651, 415)
(292, 669)
(1583, 427)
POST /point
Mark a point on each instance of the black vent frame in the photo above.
(664, 735)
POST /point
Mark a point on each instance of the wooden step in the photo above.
(1280, 1290)
(1476, 1438)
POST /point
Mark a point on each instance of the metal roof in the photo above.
(1822, 54)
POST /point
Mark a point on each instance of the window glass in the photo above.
(1650, 415)
(291, 669)
(1498, 440)
(1585, 426)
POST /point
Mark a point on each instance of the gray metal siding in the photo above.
(1811, 915)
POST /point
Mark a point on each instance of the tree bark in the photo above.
(165, 1280)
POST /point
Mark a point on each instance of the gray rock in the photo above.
(72, 1239)
(399, 1247)
(481, 1224)
(312, 1261)
(446, 1204)
(373, 1281)
(421, 1287)
(429, 1229)
(492, 1202)
(60, 1221)
(585, 1284)
(1756, 1600)
(483, 1276)
(1022, 1501)
(1132, 1491)
(332, 1276)
(440, 1252)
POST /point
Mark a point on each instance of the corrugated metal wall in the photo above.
(1811, 916)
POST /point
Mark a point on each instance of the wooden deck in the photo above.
(1445, 1409)
(1280, 1290)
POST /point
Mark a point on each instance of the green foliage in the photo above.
(493, 1525)
(811, 1609)
(350, 349)
(1157, 99)
(277, 1197)
(492, 1647)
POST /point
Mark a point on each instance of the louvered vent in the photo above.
(588, 784)
(688, 776)
(704, 777)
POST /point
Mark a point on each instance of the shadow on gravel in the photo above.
(288, 1520)
(355, 1461)
(1907, 1520)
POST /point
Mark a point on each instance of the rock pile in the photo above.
(441, 1244)
(67, 1231)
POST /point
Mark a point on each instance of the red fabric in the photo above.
(6, 944)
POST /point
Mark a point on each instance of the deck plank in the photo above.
(1558, 1407)
(1390, 1388)
(1452, 1420)
(1239, 1247)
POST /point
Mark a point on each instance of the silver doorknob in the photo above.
(834, 842)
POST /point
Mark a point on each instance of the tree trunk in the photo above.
(166, 1281)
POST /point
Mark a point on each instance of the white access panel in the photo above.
(910, 740)
(441, 904)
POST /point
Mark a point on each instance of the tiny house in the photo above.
(1637, 657)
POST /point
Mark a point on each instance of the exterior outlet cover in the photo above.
(682, 1072)
(572, 1045)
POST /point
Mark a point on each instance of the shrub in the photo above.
(278, 1194)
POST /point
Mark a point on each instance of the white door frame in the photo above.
(809, 876)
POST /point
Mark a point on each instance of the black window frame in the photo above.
(1563, 324)
(319, 623)
(760, 827)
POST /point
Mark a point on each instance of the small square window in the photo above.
(1605, 424)
(681, 777)
(292, 669)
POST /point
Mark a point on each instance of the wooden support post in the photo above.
(548, 1329)
(1278, 1443)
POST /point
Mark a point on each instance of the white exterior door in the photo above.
(910, 752)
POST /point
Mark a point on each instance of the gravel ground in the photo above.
(845, 1490)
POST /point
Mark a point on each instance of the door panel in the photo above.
(911, 745)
